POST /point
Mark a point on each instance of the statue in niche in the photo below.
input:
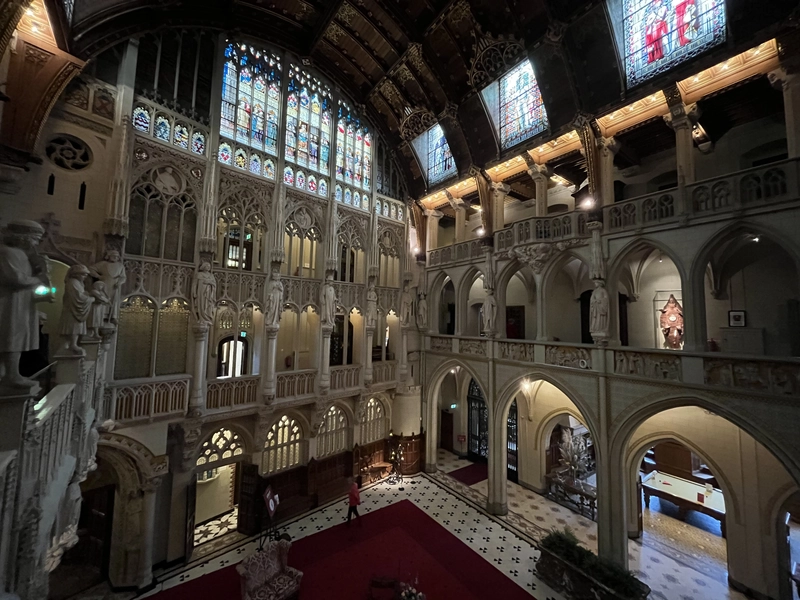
(422, 312)
(22, 270)
(204, 293)
(76, 308)
(328, 302)
(272, 315)
(99, 308)
(372, 304)
(406, 304)
(671, 323)
(598, 264)
(489, 312)
(111, 271)
(598, 311)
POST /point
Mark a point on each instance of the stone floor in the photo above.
(215, 528)
(679, 561)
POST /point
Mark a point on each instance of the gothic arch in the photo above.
(148, 464)
(621, 258)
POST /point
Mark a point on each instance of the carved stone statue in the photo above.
(328, 302)
(372, 305)
(489, 313)
(22, 270)
(598, 312)
(99, 308)
(671, 323)
(272, 315)
(598, 260)
(422, 312)
(76, 308)
(111, 271)
(204, 293)
(406, 306)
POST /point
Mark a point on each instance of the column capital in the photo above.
(433, 213)
(784, 77)
(539, 172)
(200, 330)
(498, 187)
(608, 145)
(682, 116)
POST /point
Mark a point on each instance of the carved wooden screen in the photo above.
(172, 337)
(282, 449)
(478, 442)
(511, 442)
(373, 427)
(134, 338)
(332, 437)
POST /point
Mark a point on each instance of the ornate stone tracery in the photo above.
(416, 122)
(493, 56)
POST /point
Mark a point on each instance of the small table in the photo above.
(564, 488)
(686, 495)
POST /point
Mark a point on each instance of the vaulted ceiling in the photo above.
(424, 57)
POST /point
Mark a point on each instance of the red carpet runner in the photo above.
(475, 473)
(399, 541)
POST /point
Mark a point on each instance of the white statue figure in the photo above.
(204, 293)
(598, 311)
(328, 302)
(372, 304)
(274, 307)
(406, 306)
(422, 312)
(99, 308)
(76, 308)
(111, 271)
(489, 313)
(21, 272)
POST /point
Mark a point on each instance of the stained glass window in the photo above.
(659, 34)
(240, 158)
(162, 128)
(269, 169)
(312, 183)
(515, 106)
(300, 180)
(308, 121)
(434, 155)
(255, 164)
(198, 143)
(180, 137)
(225, 154)
(338, 193)
(250, 113)
(141, 118)
(348, 195)
(323, 187)
(353, 150)
(288, 176)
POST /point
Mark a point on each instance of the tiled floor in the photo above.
(499, 544)
(669, 558)
(216, 527)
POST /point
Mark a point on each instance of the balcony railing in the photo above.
(543, 229)
(160, 279)
(48, 436)
(240, 286)
(145, 400)
(295, 384)
(384, 372)
(233, 392)
(455, 253)
(8, 491)
(345, 377)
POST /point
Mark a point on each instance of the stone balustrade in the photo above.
(146, 399)
(159, 279)
(345, 377)
(463, 251)
(567, 226)
(8, 495)
(240, 286)
(232, 392)
(296, 384)
(384, 372)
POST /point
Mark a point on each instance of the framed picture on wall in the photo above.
(737, 318)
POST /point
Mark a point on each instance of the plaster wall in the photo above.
(564, 310)
(214, 497)
(517, 294)
(407, 413)
(658, 280)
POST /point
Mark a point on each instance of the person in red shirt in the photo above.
(354, 499)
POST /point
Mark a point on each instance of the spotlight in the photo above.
(416, 249)
(480, 231)
(755, 239)
(453, 371)
(587, 203)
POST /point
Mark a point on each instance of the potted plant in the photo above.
(567, 566)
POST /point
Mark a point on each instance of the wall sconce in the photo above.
(453, 406)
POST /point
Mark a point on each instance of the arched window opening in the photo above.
(134, 338)
(478, 428)
(222, 446)
(301, 245)
(447, 309)
(353, 149)
(373, 425)
(298, 343)
(232, 357)
(389, 258)
(332, 437)
(342, 339)
(282, 450)
(352, 260)
(308, 123)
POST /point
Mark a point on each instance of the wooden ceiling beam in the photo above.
(324, 23)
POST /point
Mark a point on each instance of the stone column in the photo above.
(402, 366)
(460, 209)
(368, 358)
(695, 329)
(433, 228)
(268, 377)
(541, 177)
(148, 521)
(499, 192)
(325, 360)
(608, 150)
(541, 313)
(681, 119)
(788, 81)
(197, 399)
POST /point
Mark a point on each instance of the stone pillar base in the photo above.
(431, 468)
(497, 508)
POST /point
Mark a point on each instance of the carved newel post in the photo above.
(272, 319)
(22, 270)
(204, 302)
(327, 319)
(372, 322)
(599, 305)
(75, 310)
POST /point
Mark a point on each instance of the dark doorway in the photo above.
(478, 426)
(515, 322)
(511, 443)
(586, 334)
(623, 319)
(446, 430)
(86, 564)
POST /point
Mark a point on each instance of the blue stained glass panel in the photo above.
(441, 165)
(522, 113)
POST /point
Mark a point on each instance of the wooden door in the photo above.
(250, 501)
(191, 508)
(585, 300)
(94, 527)
(446, 431)
(515, 322)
